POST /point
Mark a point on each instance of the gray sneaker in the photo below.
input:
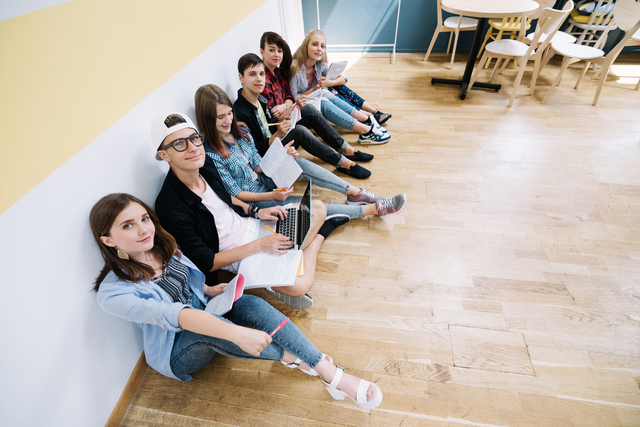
(391, 206)
(301, 303)
(364, 197)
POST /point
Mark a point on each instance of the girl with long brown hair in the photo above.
(231, 147)
(146, 281)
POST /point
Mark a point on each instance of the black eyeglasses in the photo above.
(181, 144)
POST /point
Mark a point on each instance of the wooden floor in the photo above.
(506, 294)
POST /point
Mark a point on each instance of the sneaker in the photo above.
(375, 127)
(381, 117)
(331, 222)
(373, 138)
(391, 206)
(359, 156)
(356, 171)
(301, 303)
(364, 197)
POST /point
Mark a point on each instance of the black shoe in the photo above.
(359, 156)
(356, 171)
(381, 117)
(301, 303)
(331, 222)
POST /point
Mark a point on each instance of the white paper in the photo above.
(335, 69)
(278, 165)
(294, 118)
(263, 269)
(315, 98)
(222, 303)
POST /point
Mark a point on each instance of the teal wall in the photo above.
(374, 22)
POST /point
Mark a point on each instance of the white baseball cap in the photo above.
(159, 130)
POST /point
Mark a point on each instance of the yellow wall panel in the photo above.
(70, 71)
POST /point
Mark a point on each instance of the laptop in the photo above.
(297, 223)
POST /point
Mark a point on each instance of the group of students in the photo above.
(210, 206)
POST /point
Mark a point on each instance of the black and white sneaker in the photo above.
(301, 303)
(373, 138)
(381, 117)
(371, 121)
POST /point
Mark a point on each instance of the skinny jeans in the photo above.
(320, 177)
(191, 352)
(338, 111)
(303, 137)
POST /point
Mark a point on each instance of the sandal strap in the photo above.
(293, 364)
(337, 377)
(361, 394)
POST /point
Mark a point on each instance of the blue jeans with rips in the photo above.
(320, 177)
(338, 111)
(191, 351)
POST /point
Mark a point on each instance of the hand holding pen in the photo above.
(287, 243)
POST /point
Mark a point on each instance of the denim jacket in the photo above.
(153, 310)
(299, 83)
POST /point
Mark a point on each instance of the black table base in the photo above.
(471, 62)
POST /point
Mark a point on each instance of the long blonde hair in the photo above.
(302, 53)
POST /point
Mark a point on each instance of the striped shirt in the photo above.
(175, 281)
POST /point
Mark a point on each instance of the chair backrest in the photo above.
(628, 19)
(627, 14)
(439, 5)
(542, 5)
(602, 13)
(549, 22)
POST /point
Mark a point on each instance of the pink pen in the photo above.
(284, 322)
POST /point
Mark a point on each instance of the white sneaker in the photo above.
(301, 303)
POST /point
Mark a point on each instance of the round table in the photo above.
(484, 9)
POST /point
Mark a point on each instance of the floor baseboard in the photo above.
(119, 411)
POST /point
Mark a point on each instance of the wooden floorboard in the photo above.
(506, 294)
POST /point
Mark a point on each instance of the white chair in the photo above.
(635, 40)
(586, 27)
(559, 36)
(627, 18)
(506, 49)
(516, 27)
(452, 25)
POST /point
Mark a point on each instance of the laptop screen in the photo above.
(306, 197)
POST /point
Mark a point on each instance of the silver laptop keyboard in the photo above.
(287, 226)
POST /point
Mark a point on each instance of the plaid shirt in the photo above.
(276, 89)
(234, 171)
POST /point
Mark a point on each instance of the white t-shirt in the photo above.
(231, 227)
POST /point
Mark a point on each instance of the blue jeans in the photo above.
(191, 351)
(338, 111)
(320, 177)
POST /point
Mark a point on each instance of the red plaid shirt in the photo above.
(276, 89)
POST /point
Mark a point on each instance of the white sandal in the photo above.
(296, 364)
(363, 387)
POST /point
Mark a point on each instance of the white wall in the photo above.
(64, 362)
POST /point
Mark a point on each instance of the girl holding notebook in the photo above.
(147, 281)
(340, 105)
(238, 162)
